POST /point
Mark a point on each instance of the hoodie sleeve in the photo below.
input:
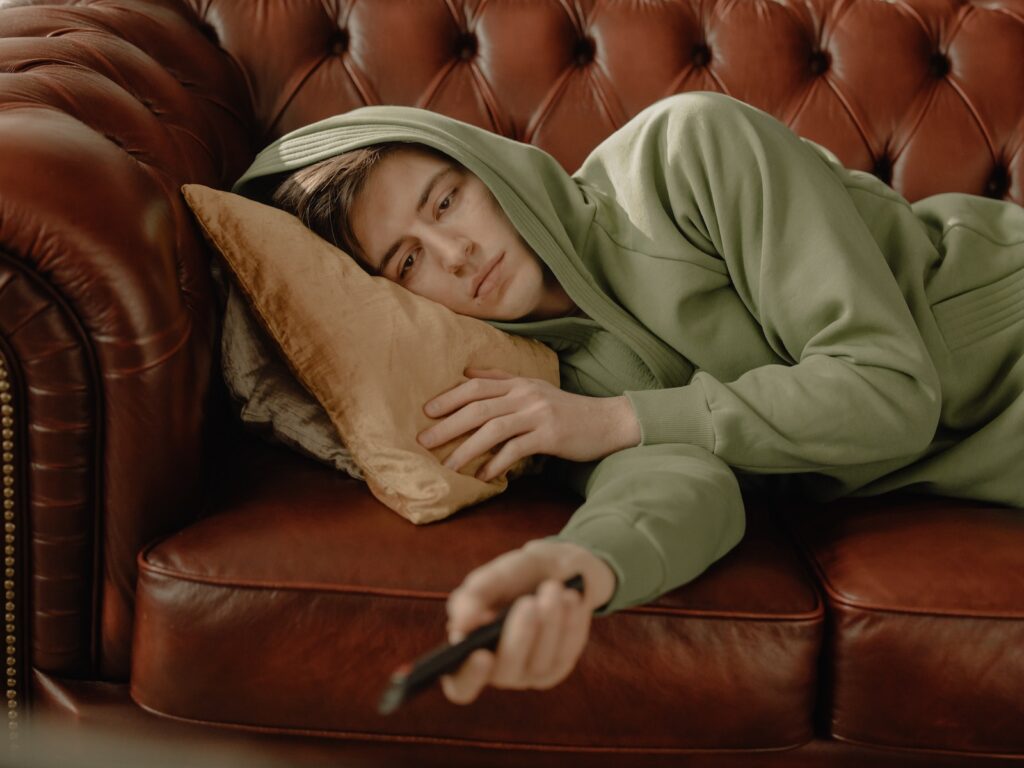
(659, 515)
(862, 387)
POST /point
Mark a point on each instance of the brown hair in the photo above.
(321, 195)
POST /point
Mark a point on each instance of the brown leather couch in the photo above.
(169, 573)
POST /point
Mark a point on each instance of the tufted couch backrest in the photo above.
(926, 94)
(108, 320)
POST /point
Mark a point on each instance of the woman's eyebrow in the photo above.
(419, 207)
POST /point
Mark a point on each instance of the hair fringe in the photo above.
(317, 193)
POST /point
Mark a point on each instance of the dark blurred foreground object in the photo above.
(49, 743)
(164, 569)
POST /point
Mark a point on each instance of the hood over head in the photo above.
(552, 210)
(543, 202)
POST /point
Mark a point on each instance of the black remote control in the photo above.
(410, 679)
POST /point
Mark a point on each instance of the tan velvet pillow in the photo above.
(270, 402)
(370, 351)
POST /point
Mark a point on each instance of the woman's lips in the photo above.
(490, 280)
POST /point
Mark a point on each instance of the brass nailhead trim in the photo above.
(10, 525)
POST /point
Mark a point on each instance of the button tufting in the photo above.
(883, 169)
(700, 55)
(938, 64)
(340, 43)
(584, 51)
(998, 183)
(208, 32)
(465, 47)
(820, 62)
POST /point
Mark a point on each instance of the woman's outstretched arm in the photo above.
(654, 518)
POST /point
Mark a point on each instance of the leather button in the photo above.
(883, 169)
(820, 62)
(700, 55)
(583, 52)
(938, 64)
(208, 32)
(998, 183)
(465, 47)
(340, 43)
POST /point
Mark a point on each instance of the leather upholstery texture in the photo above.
(926, 596)
(888, 627)
(107, 303)
(888, 86)
(352, 594)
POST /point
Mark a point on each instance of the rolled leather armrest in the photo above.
(108, 319)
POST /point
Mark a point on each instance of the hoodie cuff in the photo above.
(627, 551)
(675, 415)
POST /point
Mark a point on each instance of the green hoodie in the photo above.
(779, 323)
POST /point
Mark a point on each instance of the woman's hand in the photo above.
(530, 416)
(544, 633)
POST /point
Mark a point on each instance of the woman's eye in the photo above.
(445, 204)
(405, 266)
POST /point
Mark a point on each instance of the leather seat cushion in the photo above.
(288, 607)
(925, 645)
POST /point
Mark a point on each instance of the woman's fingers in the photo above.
(504, 666)
(539, 645)
(486, 425)
(546, 628)
(491, 587)
(476, 406)
(551, 613)
(463, 394)
(465, 685)
(515, 645)
(508, 454)
(493, 432)
(575, 632)
(467, 416)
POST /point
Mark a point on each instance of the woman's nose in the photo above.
(453, 251)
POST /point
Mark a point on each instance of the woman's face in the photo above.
(437, 230)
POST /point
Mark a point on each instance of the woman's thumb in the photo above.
(464, 615)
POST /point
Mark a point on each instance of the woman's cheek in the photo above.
(475, 207)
